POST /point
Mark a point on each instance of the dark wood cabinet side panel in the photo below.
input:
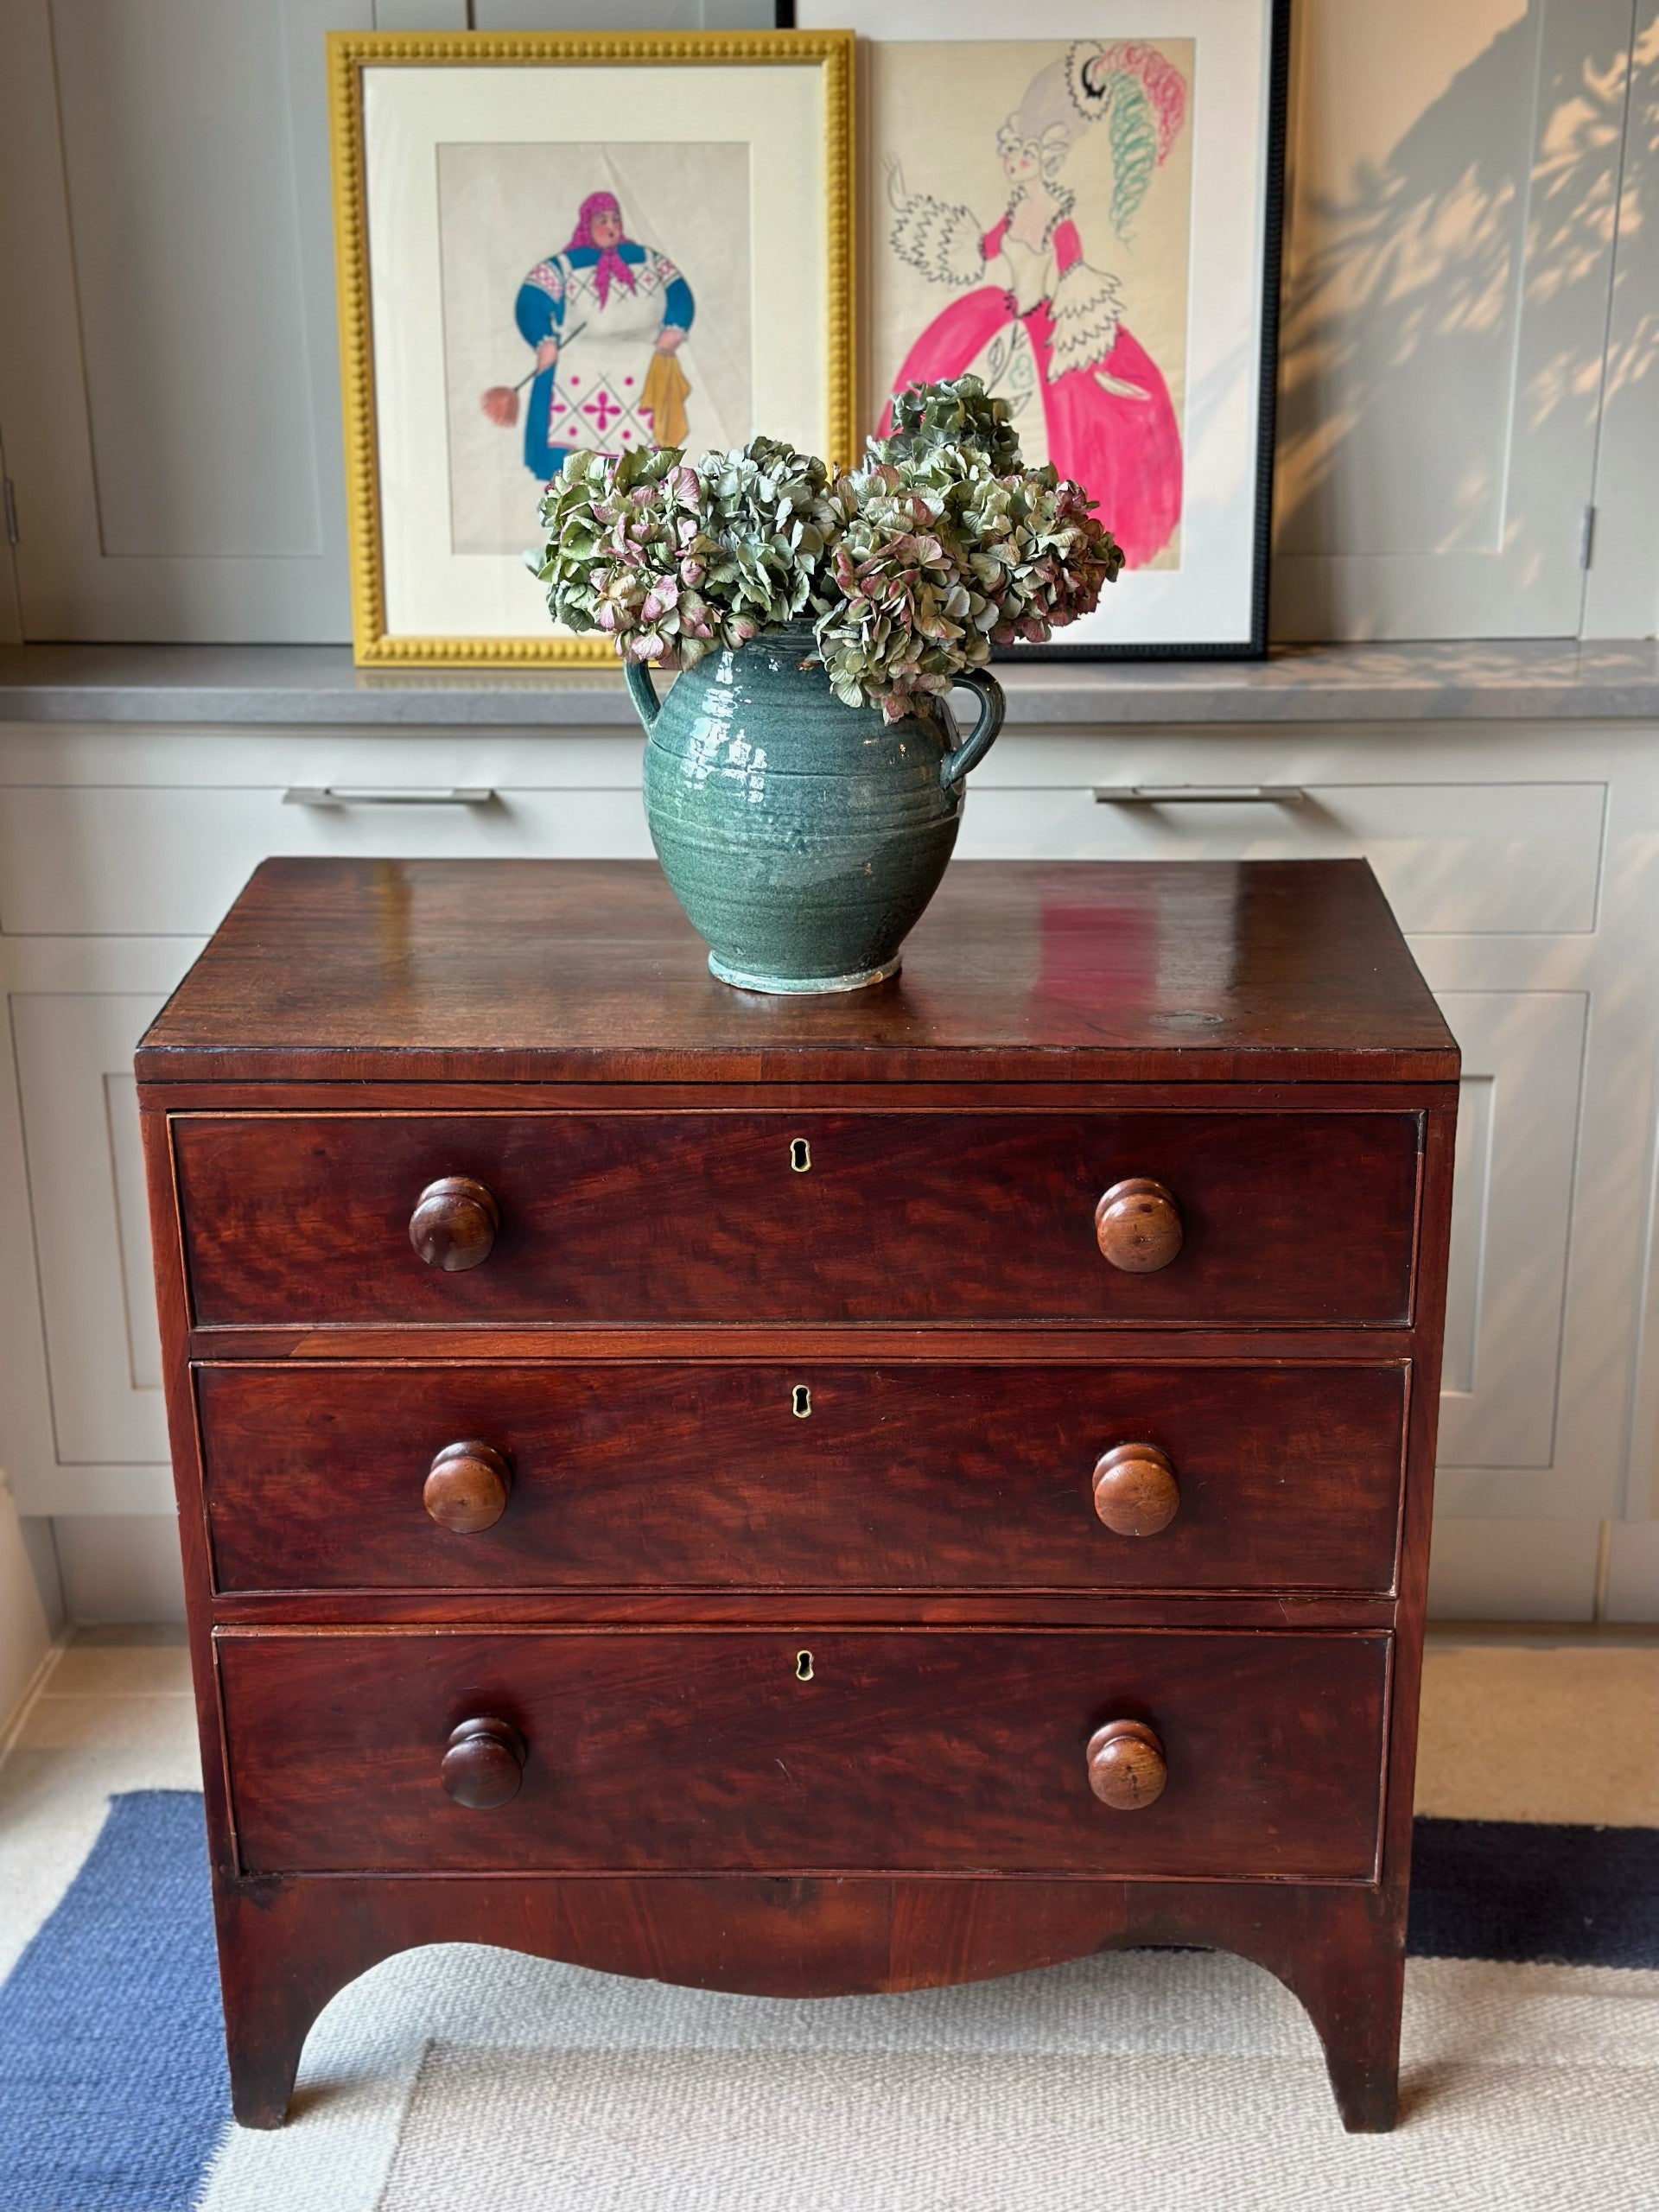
(725, 1476)
(172, 1315)
(1423, 1402)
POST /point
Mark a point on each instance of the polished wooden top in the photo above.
(1020, 972)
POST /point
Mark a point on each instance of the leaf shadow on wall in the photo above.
(1403, 409)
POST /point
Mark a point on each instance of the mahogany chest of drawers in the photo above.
(814, 1495)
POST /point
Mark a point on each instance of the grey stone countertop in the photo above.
(282, 685)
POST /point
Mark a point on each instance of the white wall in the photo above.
(169, 386)
(25, 1633)
(1459, 201)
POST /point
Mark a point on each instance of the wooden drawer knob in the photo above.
(1138, 1226)
(467, 1487)
(484, 1764)
(1126, 1765)
(1135, 1490)
(455, 1224)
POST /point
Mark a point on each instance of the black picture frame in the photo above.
(1254, 646)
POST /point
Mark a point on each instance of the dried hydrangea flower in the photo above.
(911, 568)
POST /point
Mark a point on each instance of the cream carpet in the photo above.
(1001, 2134)
(458, 2078)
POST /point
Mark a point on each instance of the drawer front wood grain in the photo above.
(718, 1475)
(791, 1751)
(757, 1218)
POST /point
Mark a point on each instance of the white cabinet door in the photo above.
(168, 381)
(1517, 1131)
(1453, 859)
(92, 1257)
(168, 385)
(119, 861)
(1454, 180)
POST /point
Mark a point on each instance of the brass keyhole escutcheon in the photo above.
(800, 1401)
(800, 1155)
(802, 1666)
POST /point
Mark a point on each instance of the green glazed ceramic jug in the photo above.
(803, 837)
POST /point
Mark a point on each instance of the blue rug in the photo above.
(1511, 1891)
(113, 2093)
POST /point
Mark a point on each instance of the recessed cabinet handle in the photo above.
(455, 1224)
(1135, 1490)
(467, 1487)
(389, 795)
(1199, 795)
(484, 1764)
(1126, 1768)
(1138, 1226)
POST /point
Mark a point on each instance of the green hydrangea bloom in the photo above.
(912, 568)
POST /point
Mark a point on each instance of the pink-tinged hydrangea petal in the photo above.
(940, 543)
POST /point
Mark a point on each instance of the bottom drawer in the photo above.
(905, 1749)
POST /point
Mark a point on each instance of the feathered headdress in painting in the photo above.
(1141, 96)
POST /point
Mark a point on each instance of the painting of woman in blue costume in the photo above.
(605, 318)
(597, 298)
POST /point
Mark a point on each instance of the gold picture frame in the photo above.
(376, 642)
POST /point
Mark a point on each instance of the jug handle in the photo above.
(642, 692)
(980, 739)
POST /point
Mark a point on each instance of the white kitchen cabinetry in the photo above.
(1522, 862)
(91, 1249)
(168, 386)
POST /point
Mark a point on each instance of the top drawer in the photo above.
(766, 1217)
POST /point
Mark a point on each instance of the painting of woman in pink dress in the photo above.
(1042, 324)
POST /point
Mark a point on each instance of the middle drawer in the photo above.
(729, 1475)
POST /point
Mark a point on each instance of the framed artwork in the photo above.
(549, 243)
(1080, 201)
